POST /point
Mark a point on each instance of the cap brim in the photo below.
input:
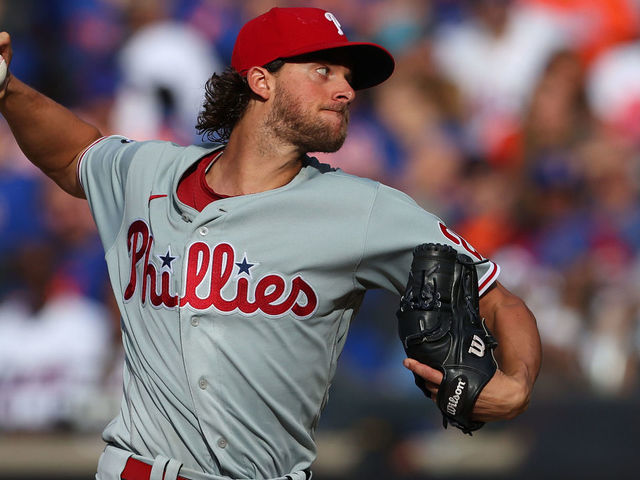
(371, 63)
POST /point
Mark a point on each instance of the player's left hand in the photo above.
(503, 398)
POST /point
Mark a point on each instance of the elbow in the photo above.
(520, 400)
(520, 405)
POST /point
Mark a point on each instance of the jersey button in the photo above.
(203, 231)
(222, 443)
(195, 321)
(202, 383)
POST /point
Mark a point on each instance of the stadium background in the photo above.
(517, 121)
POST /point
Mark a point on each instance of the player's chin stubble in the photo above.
(291, 123)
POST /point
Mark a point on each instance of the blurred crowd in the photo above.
(516, 121)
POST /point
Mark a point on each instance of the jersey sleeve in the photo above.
(397, 224)
(102, 170)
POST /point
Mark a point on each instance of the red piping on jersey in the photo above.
(490, 278)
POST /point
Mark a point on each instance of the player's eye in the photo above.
(324, 71)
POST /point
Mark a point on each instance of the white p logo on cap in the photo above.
(331, 17)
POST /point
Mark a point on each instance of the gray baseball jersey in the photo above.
(233, 318)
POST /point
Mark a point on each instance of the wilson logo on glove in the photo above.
(477, 346)
(452, 406)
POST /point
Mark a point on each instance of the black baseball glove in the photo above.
(440, 326)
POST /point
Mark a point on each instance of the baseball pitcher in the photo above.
(238, 265)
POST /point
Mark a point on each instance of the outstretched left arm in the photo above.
(519, 355)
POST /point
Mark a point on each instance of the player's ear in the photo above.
(261, 82)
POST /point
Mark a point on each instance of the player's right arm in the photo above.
(50, 135)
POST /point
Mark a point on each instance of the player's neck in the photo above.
(252, 164)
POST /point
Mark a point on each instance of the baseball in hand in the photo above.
(3, 70)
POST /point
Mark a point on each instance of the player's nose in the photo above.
(344, 92)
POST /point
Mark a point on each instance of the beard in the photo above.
(290, 122)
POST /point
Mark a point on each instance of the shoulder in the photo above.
(343, 185)
(148, 155)
(150, 160)
(118, 143)
(324, 172)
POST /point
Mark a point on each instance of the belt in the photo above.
(137, 470)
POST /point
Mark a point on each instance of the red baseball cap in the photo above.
(289, 32)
